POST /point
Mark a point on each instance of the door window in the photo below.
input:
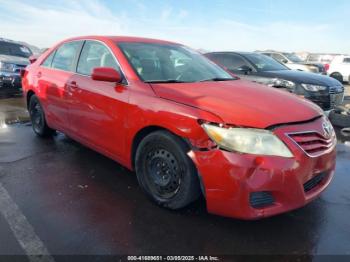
(66, 55)
(95, 54)
(231, 62)
(347, 60)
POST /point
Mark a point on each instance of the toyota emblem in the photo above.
(327, 129)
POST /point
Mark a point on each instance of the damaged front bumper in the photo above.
(252, 186)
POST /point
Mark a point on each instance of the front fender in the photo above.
(177, 118)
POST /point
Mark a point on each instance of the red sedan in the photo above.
(186, 126)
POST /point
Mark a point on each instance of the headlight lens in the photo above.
(247, 140)
(281, 83)
(313, 88)
(7, 67)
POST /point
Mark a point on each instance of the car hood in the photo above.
(14, 59)
(300, 77)
(240, 102)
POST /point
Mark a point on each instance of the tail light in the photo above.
(326, 67)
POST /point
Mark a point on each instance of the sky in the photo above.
(244, 25)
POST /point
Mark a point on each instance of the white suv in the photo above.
(340, 68)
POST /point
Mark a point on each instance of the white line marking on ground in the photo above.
(23, 231)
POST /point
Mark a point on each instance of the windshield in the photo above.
(13, 49)
(264, 63)
(293, 58)
(171, 63)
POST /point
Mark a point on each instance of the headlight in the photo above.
(7, 67)
(247, 140)
(281, 83)
(313, 88)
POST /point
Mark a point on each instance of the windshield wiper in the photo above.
(218, 79)
(165, 81)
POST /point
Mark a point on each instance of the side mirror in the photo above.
(284, 61)
(244, 69)
(33, 58)
(106, 74)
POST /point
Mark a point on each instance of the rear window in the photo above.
(313, 58)
(13, 49)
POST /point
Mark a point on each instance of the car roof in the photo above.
(121, 39)
(270, 52)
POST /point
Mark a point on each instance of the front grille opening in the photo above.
(261, 199)
(312, 143)
(315, 181)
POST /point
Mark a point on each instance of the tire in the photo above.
(338, 119)
(337, 76)
(165, 172)
(37, 117)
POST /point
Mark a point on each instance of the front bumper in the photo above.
(231, 179)
(10, 83)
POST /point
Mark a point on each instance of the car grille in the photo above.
(336, 95)
(313, 182)
(312, 143)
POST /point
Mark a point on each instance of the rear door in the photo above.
(52, 76)
(97, 109)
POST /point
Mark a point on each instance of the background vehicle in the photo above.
(178, 119)
(322, 90)
(13, 58)
(339, 68)
(324, 59)
(294, 62)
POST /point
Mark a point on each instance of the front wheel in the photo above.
(37, 117)
(165, 172)
(338, 77)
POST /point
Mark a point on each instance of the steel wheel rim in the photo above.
(163, 173)
(37, 117)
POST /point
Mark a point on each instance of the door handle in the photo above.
(38, 74)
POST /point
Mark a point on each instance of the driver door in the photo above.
(98, 110)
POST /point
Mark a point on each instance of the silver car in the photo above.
(13, 58)
(295, 63)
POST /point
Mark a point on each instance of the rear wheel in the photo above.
(37, 117)
(337, 76)
(165, 172)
